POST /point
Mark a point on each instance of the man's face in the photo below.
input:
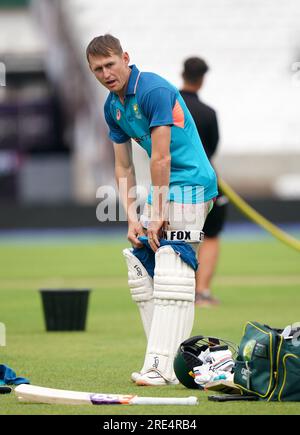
(112, 72)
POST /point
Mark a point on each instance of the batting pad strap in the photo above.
(190, 236)
(173, 279)
(139, 282)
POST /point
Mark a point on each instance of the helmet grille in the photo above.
(191, 360)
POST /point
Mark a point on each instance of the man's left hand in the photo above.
(154, 234)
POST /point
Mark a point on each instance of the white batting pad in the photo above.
(173, 316)
(141, 288)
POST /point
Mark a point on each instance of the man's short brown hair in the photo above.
(194, 69)
(105, 46)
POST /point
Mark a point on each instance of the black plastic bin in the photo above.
(65, 309)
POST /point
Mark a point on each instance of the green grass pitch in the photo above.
(256, 280)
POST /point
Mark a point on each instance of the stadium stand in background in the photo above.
(52, 127)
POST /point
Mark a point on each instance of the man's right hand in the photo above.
(135, 230)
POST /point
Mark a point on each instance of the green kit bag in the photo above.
(268, 365)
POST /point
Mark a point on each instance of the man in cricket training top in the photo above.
(145, 107)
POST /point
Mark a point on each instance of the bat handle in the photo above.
(192, 400)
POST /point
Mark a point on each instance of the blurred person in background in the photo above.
(207, 125)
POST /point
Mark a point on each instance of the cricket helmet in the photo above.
(187, 357)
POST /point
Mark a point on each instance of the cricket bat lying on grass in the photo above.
(227, 387)
(230, 390)
(34, 394)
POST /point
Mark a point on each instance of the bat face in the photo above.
(223, 386)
